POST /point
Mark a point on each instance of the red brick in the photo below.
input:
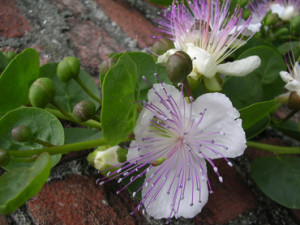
(3, 220)
(92, 44)
(130, 20)
(12, 22)
(230, 198)
(74, 6)
(78, 200)
(296, 213)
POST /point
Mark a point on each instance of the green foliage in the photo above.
(16, 80)
(78, 134)
(119, 108)
(42, 124)
(262, 84)
(278, 178)
(20, 184)
(290, 128)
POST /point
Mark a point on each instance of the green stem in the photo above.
(66, 114)
(82, 85)
(41, 142)
(62, 149)
(274, 148)
(89, 123)
(187, 88)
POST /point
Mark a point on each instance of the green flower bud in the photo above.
(295, 25)
(246, 13)
(281, 31)
(105, 157)
(105, 66)
(243, 3)
(68, 68)
(271, 19)
(294, 100)
(41, 92)
(162, 45)
(10, 55)
(21, 133)
(179, 66)
(84, 110)
(3, 157)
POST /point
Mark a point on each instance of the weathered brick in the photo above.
(12, 22)
(296, 213)
(75, 6)
(3, 220)
(78, 200)
(130, 20)
(230, 198)
(92, 44)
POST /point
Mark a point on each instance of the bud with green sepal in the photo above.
(68, 68)
(105, 157)
(294, 101)
(10, 55)
(21, 133)
(84, 110)
(271, 19)
(162, 45)
(243, 3)
(246, 14)
(41, 92)
(179, 66)
(105, 66)
(159, 161)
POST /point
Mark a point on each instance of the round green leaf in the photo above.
(279, 179)
(289, 128)
(78, 134)
(43, 126)
(16, 80)
(20, 184)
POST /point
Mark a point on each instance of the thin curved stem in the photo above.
(274, 148)
(82, 85)
(61, 149)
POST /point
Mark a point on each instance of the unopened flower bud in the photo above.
(162, 45)
(41, 92)
(105, 66)
(243, 3)
(105, 157)
(68, 68)
(281, 31)
(84, 110)
(10, 55)
(294, 100)
(21, 133)
(271, 19)
(246, 13)
(3, 157)
(295, 25)
(179, 66)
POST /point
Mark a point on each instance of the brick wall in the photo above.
(91, 29)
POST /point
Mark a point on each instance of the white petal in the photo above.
(203, 62)
(161, 207)
(240, 67)
(132, 151)
(294, 85)
(296, 71)
(164, 58)
(277, 8)
(220, 116)
(289, 13)
(286, 77)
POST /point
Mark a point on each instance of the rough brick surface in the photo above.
(77, 200)
(100, 44)
(74, 6)
(130, 20)
(12, 22)
(230, 198)
(3, 220)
